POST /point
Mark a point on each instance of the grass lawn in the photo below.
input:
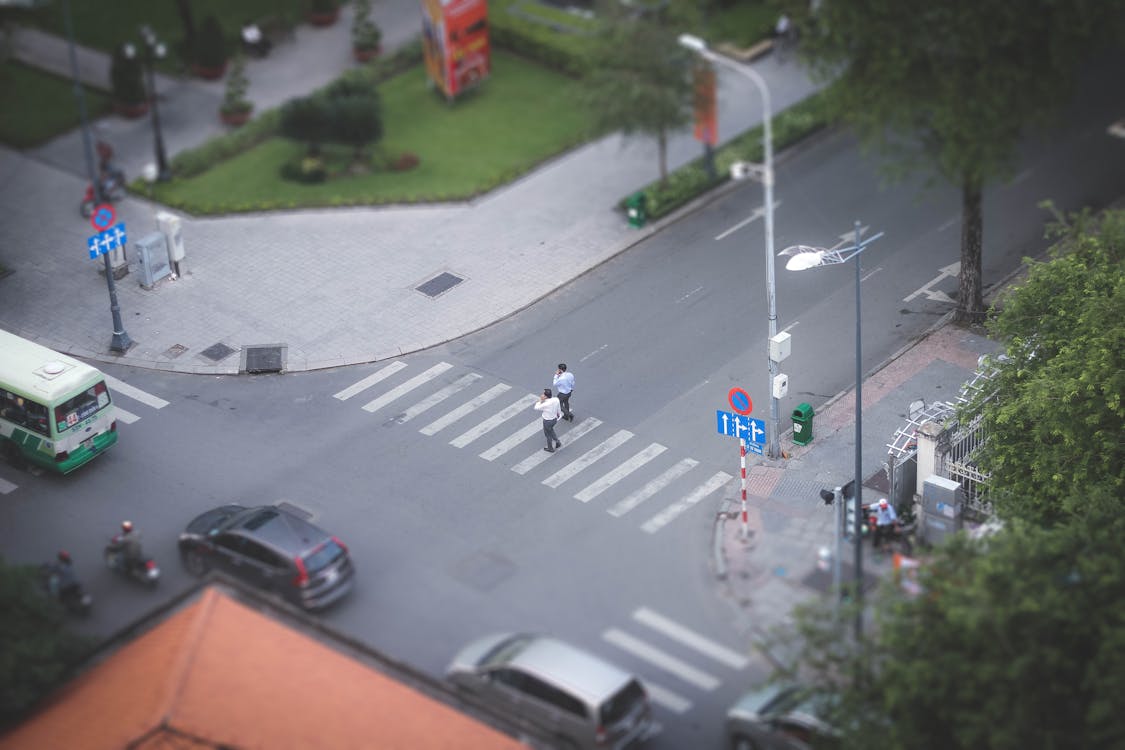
(41, 105)
(521, 116)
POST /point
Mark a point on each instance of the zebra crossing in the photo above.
(497, 421)
(672, 652)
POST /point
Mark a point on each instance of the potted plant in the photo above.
(323, 12)
(209, 58)
(236, 108)
(366, 36)
(126, 77)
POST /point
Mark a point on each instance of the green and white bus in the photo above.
(55, 411)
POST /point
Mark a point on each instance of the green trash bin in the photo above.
(636, 208)
(802, 424)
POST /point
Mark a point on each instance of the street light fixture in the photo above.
(699, 46)
(153, 50)
(802, 257)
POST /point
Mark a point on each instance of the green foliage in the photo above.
(346, 112)
(55, 111)
(1017, 641)
(365, 34)
(36, 651)
(234, 96)
(126, 77)
(210, 45)
(1056, 422)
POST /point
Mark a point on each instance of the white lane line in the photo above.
(652, 487)
(370, 380)
(611, 478)
(127, 417)
(867, 276)
(447, 419)
(571, 435)
(494, 421)
(513, 440)
(437, 397)
(690, 638)
(791, 326)
(401, 390)
(662, 518)
(135, 393)
(600, 348)
(757, 213)
(587, 458)
(660, 659)
(6, 486)
(672, 701)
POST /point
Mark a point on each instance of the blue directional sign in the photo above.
(753, 431)
(111, 239)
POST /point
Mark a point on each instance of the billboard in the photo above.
(455, 43)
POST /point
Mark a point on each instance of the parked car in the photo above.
(553, 690)
(272, 549)
(780, 717)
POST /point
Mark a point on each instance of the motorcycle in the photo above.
(143, 569)
(60, 584)
(113, 189)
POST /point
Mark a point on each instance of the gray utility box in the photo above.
(152, 257)
(942, 503)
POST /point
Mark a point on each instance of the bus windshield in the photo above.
(81, 406)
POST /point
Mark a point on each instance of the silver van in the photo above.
(553, 690)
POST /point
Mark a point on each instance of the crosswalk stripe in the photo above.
(690, 638)
(401, 390)
(513, 440)
(370, 380)
(661, 659)
(135, 393)
(6, 486)
(124, 415)
(587, 458)
(438, 396)
(665, 697)
(571, 435)
(652, 487)
(447, 419)
(494, 421)
(623, 470)
(655, 523)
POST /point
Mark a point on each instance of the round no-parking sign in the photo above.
(740, 401)
(103, 217)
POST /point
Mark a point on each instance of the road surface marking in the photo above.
(125, 416)
(652, 487)
(6, 486)
(370, 380)
(625, 469)
(571, 435)
(660, 659)
(871, 273)
(587, 458)
(513, 440)
(952, 270)
(494, 421)
(436, 398)
(407, 387)
(662, 518)
(444, 421)
(600, 348)
(757, 213)
(135, 393)
(690, 638)
(665, 697)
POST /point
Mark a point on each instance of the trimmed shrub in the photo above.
(210, 45)
(126, 77)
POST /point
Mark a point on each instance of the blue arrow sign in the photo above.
(92, 245)
(753, 431)
(111, 239)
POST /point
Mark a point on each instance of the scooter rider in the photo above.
(62, 580)
(127, 544)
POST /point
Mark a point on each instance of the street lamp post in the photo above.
(803, 257)
(698, 45)
(153, 50)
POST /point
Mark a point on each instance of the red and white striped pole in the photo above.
(742, 461)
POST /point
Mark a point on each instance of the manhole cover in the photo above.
(215, 352)
(483, 570)
(265, 358)
(443, 282)
(878, 482)
(174, 351)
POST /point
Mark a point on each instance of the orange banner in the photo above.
(706, 124)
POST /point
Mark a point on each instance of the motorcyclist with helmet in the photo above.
(127, 545)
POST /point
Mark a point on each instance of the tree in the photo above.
(1016, 641)
(951, 86)
(306, 119)
(640, 79)
(1056, 419)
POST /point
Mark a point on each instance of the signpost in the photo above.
(103, 217)
(751, 434)
(111, 239)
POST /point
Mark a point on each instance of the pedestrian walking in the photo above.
(549, 405)
(564, 386)
(886, 520)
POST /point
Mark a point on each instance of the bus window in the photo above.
(84, 405)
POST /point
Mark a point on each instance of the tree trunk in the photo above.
(662, 147)
(188, 22)
(970, 301)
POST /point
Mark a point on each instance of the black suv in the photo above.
(272, 549)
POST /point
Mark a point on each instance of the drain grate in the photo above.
(264, 358)
(218, 351)
(439, 284)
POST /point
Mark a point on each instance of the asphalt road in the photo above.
(458, 530)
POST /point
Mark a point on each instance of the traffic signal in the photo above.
(848, 491)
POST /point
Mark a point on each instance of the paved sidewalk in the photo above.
(335, 287)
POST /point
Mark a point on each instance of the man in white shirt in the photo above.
(549, 405)
(885, 520)
(564, 386)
